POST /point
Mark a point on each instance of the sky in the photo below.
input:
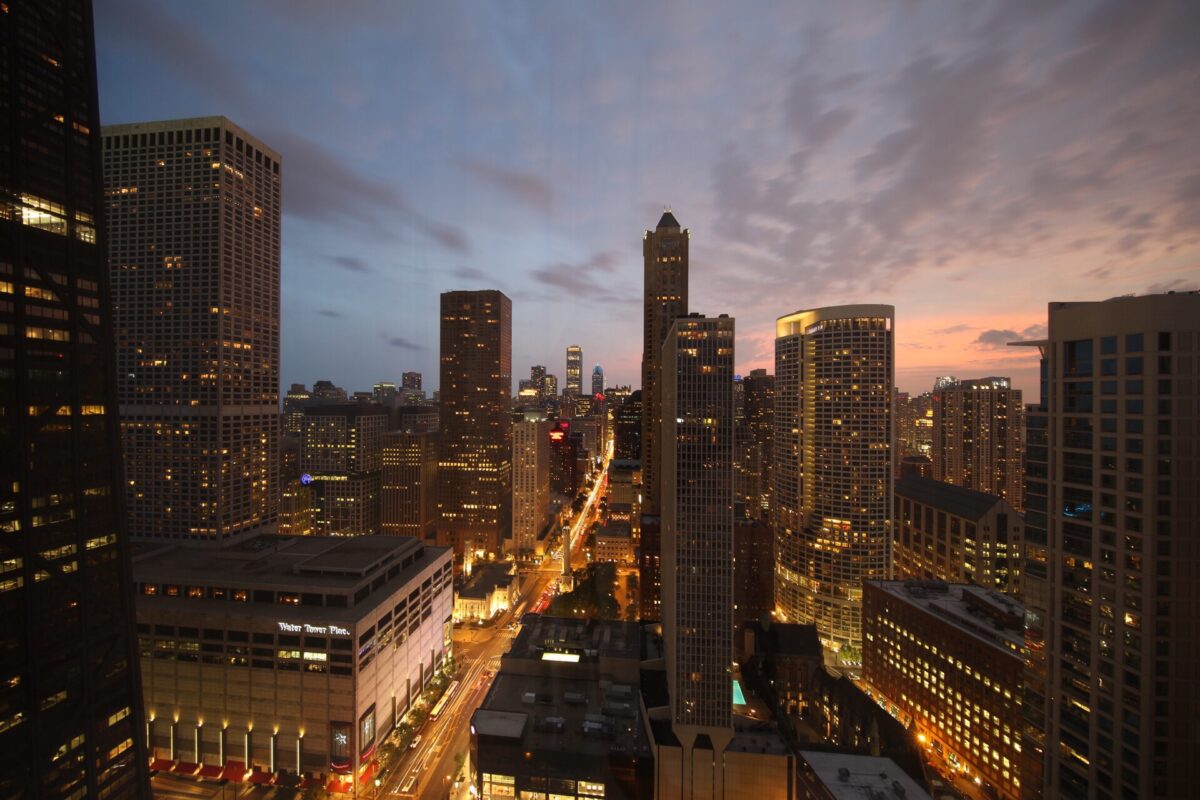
(965, 162)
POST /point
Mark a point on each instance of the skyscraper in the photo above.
(977, 428)
(597, 380)
(627, 428)
(832, 497)
(410, 380)
(537, 379)
(408, 500)
(753, 449)
(194, 220)
(1113, 499)
(574, 370)
(665, 298)
(70, 702)
(531, 484)
(475, 460)
(342, 457)
(697, 537)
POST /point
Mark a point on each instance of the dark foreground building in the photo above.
(70, 710)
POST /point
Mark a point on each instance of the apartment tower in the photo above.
(1113, 503)
(697, 540)
(531, 485)
(832, 497)
(194, 219)
(71, 720)
(977, 428)
(665, 298)
(475, 450)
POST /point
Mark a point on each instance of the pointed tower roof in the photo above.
(668, 220)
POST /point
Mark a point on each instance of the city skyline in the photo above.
(933, 153)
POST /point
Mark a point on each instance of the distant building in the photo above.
(298, 509)
(531, 485)
(408, 485)
(363, 624)
(914, 424)
(293, 408)
(597, 380)
(977, 430)
(753, 570)
(574, 370)
(325, 392)
(385, 393)
(844, 776)
(562, 716)
(550, 384)
(341, 456)
(411, 380)
(627, 427)
(614, 543)
(832, 500)
(753, 451)
(415, 419)
(492, 589)
(915, 467)
(475, 461)
(958, 535)
(783, 659)
(565, 477)
(948, 658)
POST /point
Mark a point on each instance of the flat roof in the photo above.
(952, 603)
(957, 500)
(853, 777)
(591, 639)
(505, 724)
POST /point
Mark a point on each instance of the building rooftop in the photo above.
(667, 220)
(956, 500)
(853, 777)
(587, 639)
(484, 580)
(618, 531)
(990, 616)
(786, 639)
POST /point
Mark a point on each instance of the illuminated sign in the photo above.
(319, 630)
(305, 479)
(557, 436)
(571, 658)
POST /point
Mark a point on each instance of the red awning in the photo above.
(234, 771)
(187, 768)
(210, 771)
(368, 771)
(339, 786)
(308, 783)
(162, 765)
(262, 777)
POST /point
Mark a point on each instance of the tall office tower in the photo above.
(665, 297)
(550, 386)
(324, 392)
(531, 485)
(475, 450)
(537, 378)
(294, 402)
(410, 380)
(342, 455)
(574, 370)
(754, 435)
(408, 497)
(1113, 499)
(70, 701)
(832, 496)
(943, 381)
(597, 380)
(564, 472)
(697, 536)
(384, 393)
(627, 428)
(977, 429)
(194, 218)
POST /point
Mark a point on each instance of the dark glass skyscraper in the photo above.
(70, 704)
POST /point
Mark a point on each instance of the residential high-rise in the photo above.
(537, 379)
(550, 386)
(194, 219)
(531, 485)
(627, 428)
(914, 425)
(411, 380)
(753, 450)
(475, 450)
(1112, 503)
(408, 494)
(597, 380)
(71, 721)
(341, 456)
(665, 298)
(832, 496)
(574, 370)
(697, 538)
(977, 429)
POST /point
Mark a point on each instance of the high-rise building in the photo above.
(294, 402)
(550, 386)
(408, 494)
(71, 720)
(194, 219)
(531, 485)
(948, 657)
(597, 380)
(977, 430)
(753, 570)
(832, 497)
(341, 456)
(384, 393)
(627, 428)
(665, 298)
(753, 451)
(564, 471)
(914, 425)
(475, 450)
(1112, 502)
(697, 537)
(411, 380)
(324, 393)
(574, 370)
(537, 379)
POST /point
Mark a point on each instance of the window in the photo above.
(1077, 362)
(1133, 343)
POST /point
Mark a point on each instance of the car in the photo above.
(416, 741)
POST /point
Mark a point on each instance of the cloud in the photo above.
(1176, 285)
(960, 328)
(580, 279)
(996, 339)
(525, 187)
(402, 343)
(1037, 330)
(328, 312)
(352, 263)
